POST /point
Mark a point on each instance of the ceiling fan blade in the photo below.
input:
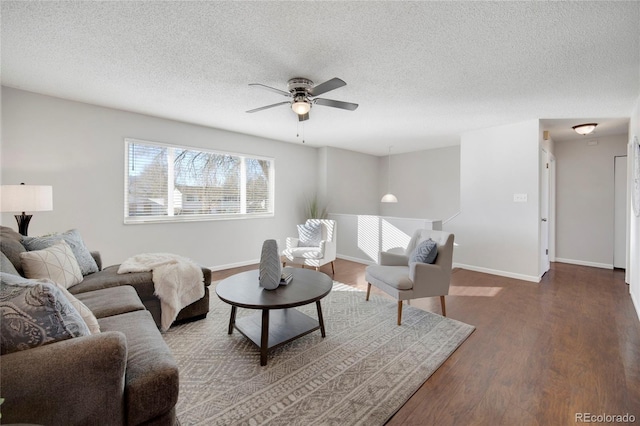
(328, 85)
(273, 89)
(269, 106)
(303, 117)
(336, 104)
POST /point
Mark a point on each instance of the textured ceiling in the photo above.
(422, 72)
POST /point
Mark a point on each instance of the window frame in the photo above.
(170, 218)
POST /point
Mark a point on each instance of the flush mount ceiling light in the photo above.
(585, 129)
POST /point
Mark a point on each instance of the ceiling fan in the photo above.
(302, 94)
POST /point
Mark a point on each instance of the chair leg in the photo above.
(444, 308)
(333, 269)
(368, 291)
(399, 312)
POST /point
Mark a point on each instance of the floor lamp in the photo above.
(25, 198)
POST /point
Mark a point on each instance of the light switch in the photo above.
(519, 198)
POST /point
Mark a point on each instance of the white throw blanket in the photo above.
(178, 281)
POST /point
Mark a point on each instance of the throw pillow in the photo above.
(425, 252)
(56, 263)
(35, 314)
(309, 235)
(6, 265)
(72, 237)
(86, 314)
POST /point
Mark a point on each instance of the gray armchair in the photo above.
(405, 280)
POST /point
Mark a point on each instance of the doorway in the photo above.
(546, 208)
(620, 212)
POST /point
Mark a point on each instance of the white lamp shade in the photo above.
(301, 107)
(26, 198)
(389, 198)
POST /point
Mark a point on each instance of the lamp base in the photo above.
(23, 222)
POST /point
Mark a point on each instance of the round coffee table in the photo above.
(268, 329)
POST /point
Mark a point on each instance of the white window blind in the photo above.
(165, 182)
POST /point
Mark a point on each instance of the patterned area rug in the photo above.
(361, 373)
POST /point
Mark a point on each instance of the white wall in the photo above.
(350, 181)
(79, 149)
(427, 184)
(633, 270)
(585, 199)
(494, 234)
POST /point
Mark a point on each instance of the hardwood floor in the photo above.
(540, 353)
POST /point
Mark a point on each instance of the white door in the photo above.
(544, 211)
(620, 213)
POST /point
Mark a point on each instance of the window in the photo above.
(174, 183)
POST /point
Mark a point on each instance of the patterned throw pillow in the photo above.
(309, 235)
(56, 263)
(72, 237)
(35, 314)
(86, 314)
(425, 252)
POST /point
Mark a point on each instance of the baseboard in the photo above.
(234, 265)
(585, 263)
(356, 259)
(531, 278)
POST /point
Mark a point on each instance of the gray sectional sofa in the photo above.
(123, 375)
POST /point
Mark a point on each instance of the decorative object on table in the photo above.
(270, 266)
(286, 276)
(25, 198)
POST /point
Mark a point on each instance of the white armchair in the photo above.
(316, 255)
(405, 280)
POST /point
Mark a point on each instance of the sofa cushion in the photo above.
(35, 314)
(304, 252)
(111, 301)
(109, 277)
(56, 263)
(394, 276)
(11, 246)
(152, 374)
(74, 239)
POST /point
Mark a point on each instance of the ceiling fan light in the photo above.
(301, 107)
(585, 129)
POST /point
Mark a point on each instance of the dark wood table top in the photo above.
(244, 291)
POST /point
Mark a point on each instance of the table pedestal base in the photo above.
(271, 328)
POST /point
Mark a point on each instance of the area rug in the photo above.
(365, 369)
